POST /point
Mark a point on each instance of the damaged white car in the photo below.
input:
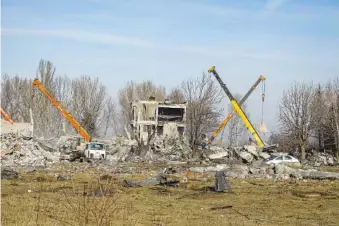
(288, 159)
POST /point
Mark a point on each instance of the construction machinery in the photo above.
(7, 118)
(86, 148)
(238, 109)
(228, 118)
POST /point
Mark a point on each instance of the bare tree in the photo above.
(331, 125)
(176, 96)
(202, 95)
(320, 108)
(296, 114)
(89, 102)
(10, 96)
(83, 96)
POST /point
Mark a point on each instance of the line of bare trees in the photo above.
(309, 118)
(308, 113)
(86, 98)
(88, 101)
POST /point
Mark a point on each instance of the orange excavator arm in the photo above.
(63, 111)
(228, 118)
(7, 118)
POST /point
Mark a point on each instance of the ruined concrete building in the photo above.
(163, 119)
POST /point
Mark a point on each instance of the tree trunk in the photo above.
(336, 133)
(303, 152)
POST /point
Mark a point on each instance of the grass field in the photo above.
(40, 199)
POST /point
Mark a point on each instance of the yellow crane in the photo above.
(228, 118)
(238, 109)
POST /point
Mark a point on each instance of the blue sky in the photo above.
(170, 40)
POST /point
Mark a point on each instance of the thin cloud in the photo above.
(273, 5)
(110, 39)
(80, 36)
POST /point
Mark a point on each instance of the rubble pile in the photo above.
(276, 172)
(250, 154)
(320, 158)
(247, 154)
(157, 151)
(238, 162)
(22, 151)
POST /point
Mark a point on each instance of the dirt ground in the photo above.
(91, 199)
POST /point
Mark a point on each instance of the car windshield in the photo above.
(271, 158)
(95, 146)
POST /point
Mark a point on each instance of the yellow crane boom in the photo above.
(63, 110)
(238, 109)
(228, 118)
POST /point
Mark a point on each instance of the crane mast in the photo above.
(63, 110)
(228, 118)
(7, 118)
(237, 108)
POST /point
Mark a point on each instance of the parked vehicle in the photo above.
(282, 159)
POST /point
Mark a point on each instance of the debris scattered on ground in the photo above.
(9, 174)
(220, 182)
(64, 177)
(161, 179)
(18, 151)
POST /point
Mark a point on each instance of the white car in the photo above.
(282, 159)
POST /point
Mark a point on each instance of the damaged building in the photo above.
(163, 119)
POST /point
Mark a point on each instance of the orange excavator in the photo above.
(63, 110)
(87, 149)
(7, 118)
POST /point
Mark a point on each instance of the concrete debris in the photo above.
(264, 155)
(283, 171)
(9, 174)
(25, 153)
(161, 179)
(64, 177)
(252, 149)
(321, 158)
(221, 183)
(118, 153)
(18, 151)
(238, 171)
(247, 157)
(219, 155)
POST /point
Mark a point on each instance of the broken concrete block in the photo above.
(330, 160)
(219, 155)
(252, 149)
(254, 170)
(264, 155)
(313, 174)
(257, 163)
(220, 182)
(209, 168)
(283, 169)
(64, 177)
(270, 171)
(246, 156)
(8, 174)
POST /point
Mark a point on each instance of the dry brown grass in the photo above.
(254, 202)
